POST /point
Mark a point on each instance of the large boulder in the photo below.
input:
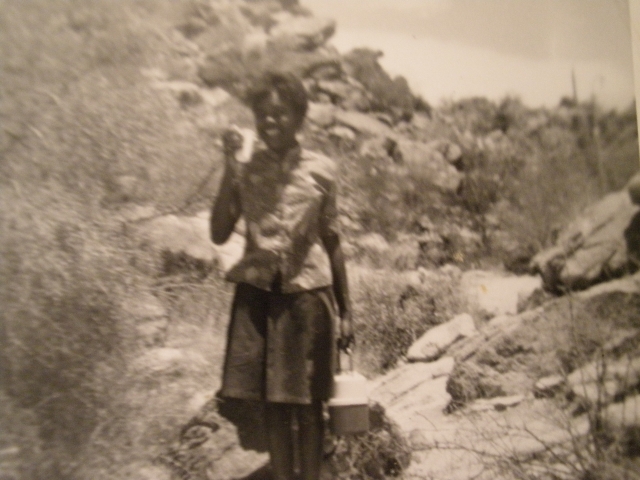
(441, 173)
(348, 95)
(512, 352)
(303, 33)
(321, 114)
(389, 95)
(590, 248)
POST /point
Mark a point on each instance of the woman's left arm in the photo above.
(331, 241)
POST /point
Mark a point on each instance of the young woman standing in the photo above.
(281, 339)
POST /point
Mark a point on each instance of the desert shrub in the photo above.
(468, 382)
(476, 115)
(552, 189)
(511, 115)
(390, 199)
(619, 139)
(81, 116)
(385, 332)
(63, 341)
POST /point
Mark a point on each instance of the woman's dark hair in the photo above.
(288, 87)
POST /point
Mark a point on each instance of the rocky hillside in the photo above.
(470, 227)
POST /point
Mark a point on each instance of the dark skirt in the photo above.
(280, 346)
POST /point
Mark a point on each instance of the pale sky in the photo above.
(450, 49)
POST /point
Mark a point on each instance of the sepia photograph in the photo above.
(319, 240)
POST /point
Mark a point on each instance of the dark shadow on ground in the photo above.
(263, 473)
(248, 418)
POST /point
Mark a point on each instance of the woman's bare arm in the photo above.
(226, 208)
(331, 242)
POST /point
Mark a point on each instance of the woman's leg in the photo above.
(310, 440)
(280, 436)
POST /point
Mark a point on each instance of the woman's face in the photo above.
(277, 123)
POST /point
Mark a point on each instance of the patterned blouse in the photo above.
(288, 206)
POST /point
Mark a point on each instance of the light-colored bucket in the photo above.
(349, 406)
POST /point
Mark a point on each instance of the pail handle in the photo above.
(349, 354)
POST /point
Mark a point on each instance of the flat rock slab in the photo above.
(414, 395)
(430, 159)
(303, 33)
(394, 387)
(436, 340)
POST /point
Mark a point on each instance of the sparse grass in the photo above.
(81, 116)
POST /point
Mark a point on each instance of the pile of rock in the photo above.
(602, 243)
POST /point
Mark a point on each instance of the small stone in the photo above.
(499, 404)
(624, 414)
(343, 134)
(321, 114)
(548, 386)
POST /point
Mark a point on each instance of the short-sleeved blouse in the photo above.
(288, 205)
